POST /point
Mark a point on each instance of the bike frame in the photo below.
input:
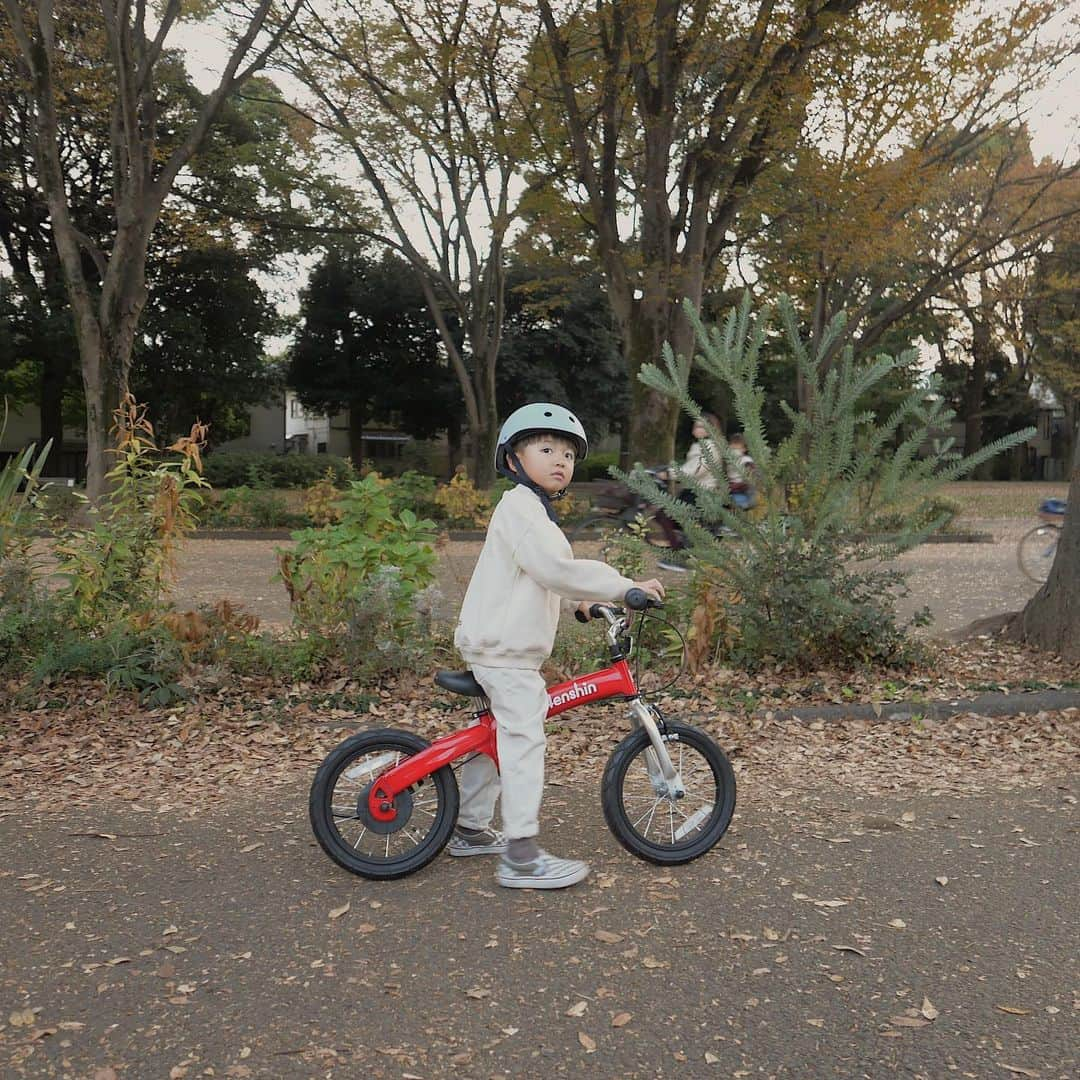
(614, 682)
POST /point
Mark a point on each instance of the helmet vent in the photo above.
(549, 414)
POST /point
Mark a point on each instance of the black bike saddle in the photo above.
(460, 682)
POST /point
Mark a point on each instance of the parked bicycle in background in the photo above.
(1038, 546)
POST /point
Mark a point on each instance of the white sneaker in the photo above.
(543, 872)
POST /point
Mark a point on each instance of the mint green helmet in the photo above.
(535, 418)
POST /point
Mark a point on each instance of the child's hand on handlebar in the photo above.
(653, 587)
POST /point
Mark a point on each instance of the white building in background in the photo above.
(286, 427)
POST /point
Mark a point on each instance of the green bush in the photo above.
(59, 506)
(248, 508)
(416, 492)
(359, 585)
(28, 616)
(596, 466)
(289, 660)
(148, 661)
(248, 468)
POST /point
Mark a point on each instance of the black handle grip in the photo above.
(639, 600)
(597, 611)
(580, 615)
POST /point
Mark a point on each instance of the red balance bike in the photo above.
(383, 803)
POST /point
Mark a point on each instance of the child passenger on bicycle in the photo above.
(525, 575)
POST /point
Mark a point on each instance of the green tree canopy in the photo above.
(559, 344)
(199, 355)
(367, 343)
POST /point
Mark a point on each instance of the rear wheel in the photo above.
(348, 833)
(649, 823)
(1037, 550)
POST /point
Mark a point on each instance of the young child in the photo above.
(525, 573)
(740, 474)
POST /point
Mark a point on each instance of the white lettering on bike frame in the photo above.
(576, 692)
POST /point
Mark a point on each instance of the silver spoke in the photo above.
(652, 810)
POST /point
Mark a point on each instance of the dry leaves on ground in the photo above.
(83, 743)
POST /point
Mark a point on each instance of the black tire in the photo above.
(413, 850)
(1035, 552)
(715, 800)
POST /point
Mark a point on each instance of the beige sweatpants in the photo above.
(519, 702)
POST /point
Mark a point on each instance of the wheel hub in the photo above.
(403, 807)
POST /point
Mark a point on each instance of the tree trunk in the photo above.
(1051, 620)
(974, 389)
(356, 434)
(453, 445)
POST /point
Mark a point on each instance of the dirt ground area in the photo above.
(959, 582)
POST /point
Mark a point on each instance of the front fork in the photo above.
(666, 781)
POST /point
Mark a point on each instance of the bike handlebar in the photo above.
(635, 600)
(639, 600)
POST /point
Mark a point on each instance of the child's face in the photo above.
(548, 462)
(699, 431)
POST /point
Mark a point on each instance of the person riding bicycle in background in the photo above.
(525, 575)
(696, 467)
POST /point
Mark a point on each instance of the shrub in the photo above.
(357, 584)
(803, 577)
(59, 506)
(596, 466)
(121, 564)
(416, 492)
(463, 506)
(248, 508)
(147, 660)
(248, 468)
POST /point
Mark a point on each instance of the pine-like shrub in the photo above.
(805, 579)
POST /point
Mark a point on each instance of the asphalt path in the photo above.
(829, 935)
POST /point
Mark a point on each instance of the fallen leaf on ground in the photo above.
(909, 1021)
(337, 912)
(621, 1019)
(588, 1043)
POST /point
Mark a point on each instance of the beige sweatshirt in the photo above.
(511, 608)
(697, 467)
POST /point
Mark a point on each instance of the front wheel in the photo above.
(1037, 550)
(346, 831)
(649, 823)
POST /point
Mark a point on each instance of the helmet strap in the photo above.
(520, 476)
